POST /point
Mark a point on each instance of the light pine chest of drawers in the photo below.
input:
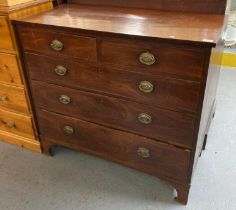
(134, 86)
(16, 121)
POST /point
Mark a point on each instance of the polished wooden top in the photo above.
(193, 27)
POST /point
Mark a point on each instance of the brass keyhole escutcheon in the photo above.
(64, 99)
(147, 58)
(68, 130)
(145, 118)
(60, 70)
(143, 152)
(56, 45)
(146, 87)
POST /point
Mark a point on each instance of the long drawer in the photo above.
(158, 91)
(144, 120)
(54, 43)
(13, 98)
(9, 69)
(16, 124)
(131, 150)
(5, 36)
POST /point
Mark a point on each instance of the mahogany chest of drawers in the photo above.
(124, 84)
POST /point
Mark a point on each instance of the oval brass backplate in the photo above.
(145, 118)
(143, 152)
(64, 99)
(147, 58)
(68, 130)
(57, 45)
(146, 87)
(60, 70)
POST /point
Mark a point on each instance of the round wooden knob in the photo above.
(147, 58)
(56, 45)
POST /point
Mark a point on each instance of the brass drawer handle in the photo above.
(10, 125)
(56, 45)
(143, 152)
(64, 99)
(145, 118)
(60, 70)
(147, 58)
(146, 87)
(3, 98)
(68, 130)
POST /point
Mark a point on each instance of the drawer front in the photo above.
(54, 43)
(13, 98)
(155, 123)
(167, 93)
(16, 123)
(5, 36)
(129, 149)
(154, 58)
(9, 69)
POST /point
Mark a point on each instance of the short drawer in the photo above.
(175, 94)
(13, 98)
(9, 69)
(154, 58)
(5, 35)
(144, 120)
(16, 124)
(125, 148)
(55, 43)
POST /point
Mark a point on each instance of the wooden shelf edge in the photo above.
(20, 141)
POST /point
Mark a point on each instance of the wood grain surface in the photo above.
(16, 124)
(201, 6)
(171, 127)
(9, 69)
(81, 48)
(5, 36)
(170, 60)
(174, 94)
(13, 98)
(115, 145)
(203, 29)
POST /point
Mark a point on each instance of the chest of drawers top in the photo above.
(173, 26)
